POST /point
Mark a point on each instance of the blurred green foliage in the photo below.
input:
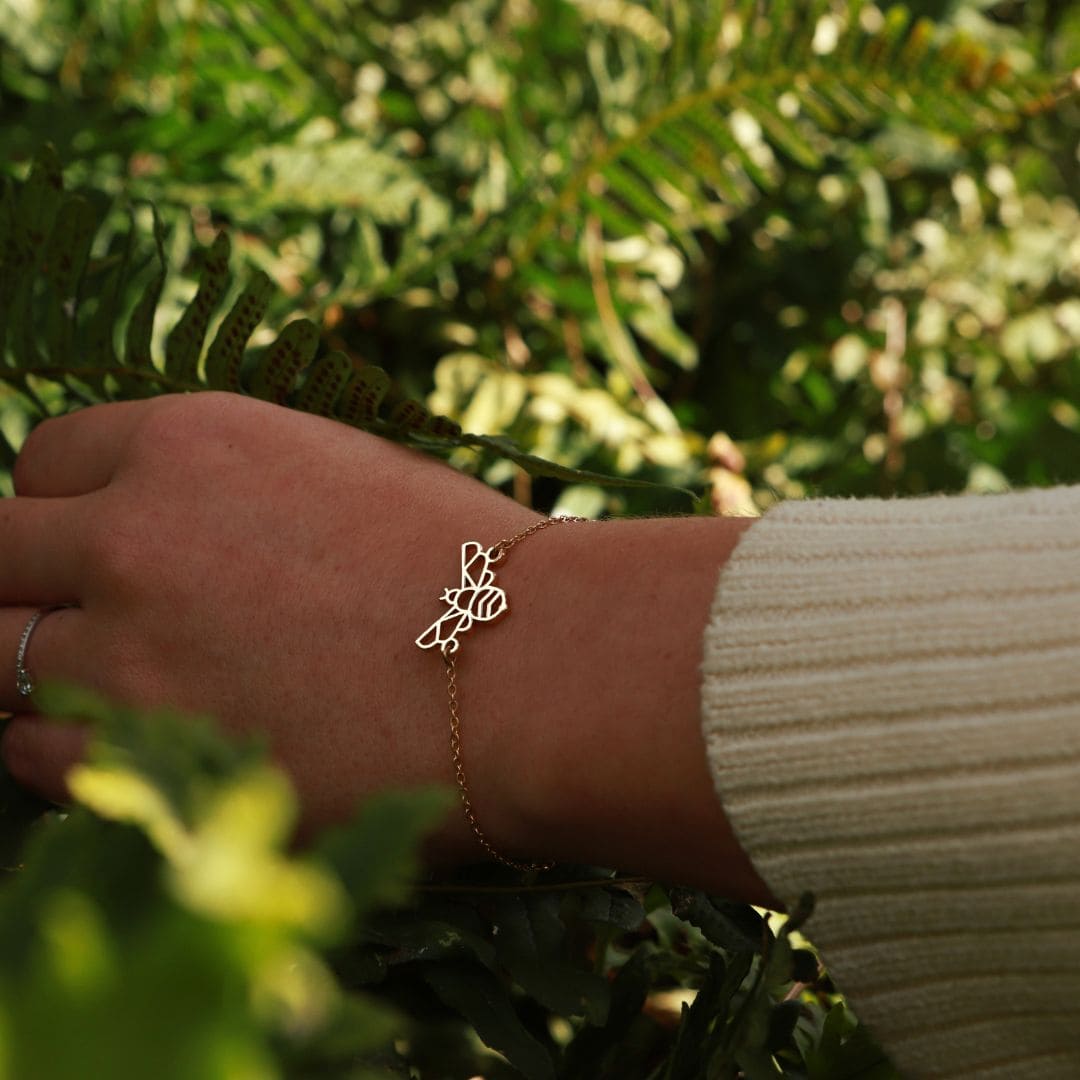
(163, 926)
(619, 233)
(757, 250)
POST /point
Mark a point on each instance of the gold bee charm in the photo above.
(477, 599)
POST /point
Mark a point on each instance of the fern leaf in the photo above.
(705, 28)
(226, 353)
(816, 107)
(766, 51)
(690, 147)
(7, 259)
(68, 246)
(184, 344)
(409, 415)
(848, 71)
(7, 238)
(324, 383)
(570, 291)
(66, 255)
(267, 28)
(852, 36)
(33, 214)
(536, 466)
(54, 267)
(638, 195)
(917, 46)
(38, 205)
(97, 351)
(717, 129)
(140, 328)
(363, 395)
(782, 131)
(275, 375)
(879, 50)
(615, 220)
(846, 101)
(444, 428)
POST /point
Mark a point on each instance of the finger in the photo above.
(55, 651)
(42, 557)
(76, 453)
(39, 754)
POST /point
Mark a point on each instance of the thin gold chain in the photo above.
(495, 554)
(500, 549)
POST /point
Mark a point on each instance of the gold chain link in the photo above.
(496, 554)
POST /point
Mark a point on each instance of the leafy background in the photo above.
(595, 252)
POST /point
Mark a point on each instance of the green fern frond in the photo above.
(74, 305)
(294, 350)
(140, 328)
(183, 346)
(782, 92)
(56, 293)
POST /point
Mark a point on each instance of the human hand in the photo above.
(274, 569)
(265, 566)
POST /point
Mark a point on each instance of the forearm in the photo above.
(587, 699)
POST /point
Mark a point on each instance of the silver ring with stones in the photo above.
(23, 681)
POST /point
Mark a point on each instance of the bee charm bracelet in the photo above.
(478, 599)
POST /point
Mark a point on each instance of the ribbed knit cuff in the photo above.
(891, 709)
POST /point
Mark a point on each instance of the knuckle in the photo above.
(167, 419)
(28, 452)
(115, 545)
(180, 423)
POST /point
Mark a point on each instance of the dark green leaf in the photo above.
(732, 926)
(363, 394)
(184, 344)
(485, 1002)
(226, 353)
(597, 1051)
(607, 905)
(96, 352)
(275, 372)
(140, 328)
(847, 1051)
(377, 855)
(443, 933)
(532, 943)
(782, 1022)
(18, 811)
(323, 384)
(804, 966)
(64, 263)
(537, 466)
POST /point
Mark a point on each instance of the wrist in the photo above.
(466, 740)
(588, 693)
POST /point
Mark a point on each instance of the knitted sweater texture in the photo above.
(891, 709)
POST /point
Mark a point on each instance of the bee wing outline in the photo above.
(445, 629)
(476, 569)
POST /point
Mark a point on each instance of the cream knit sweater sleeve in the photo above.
(891, 709)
